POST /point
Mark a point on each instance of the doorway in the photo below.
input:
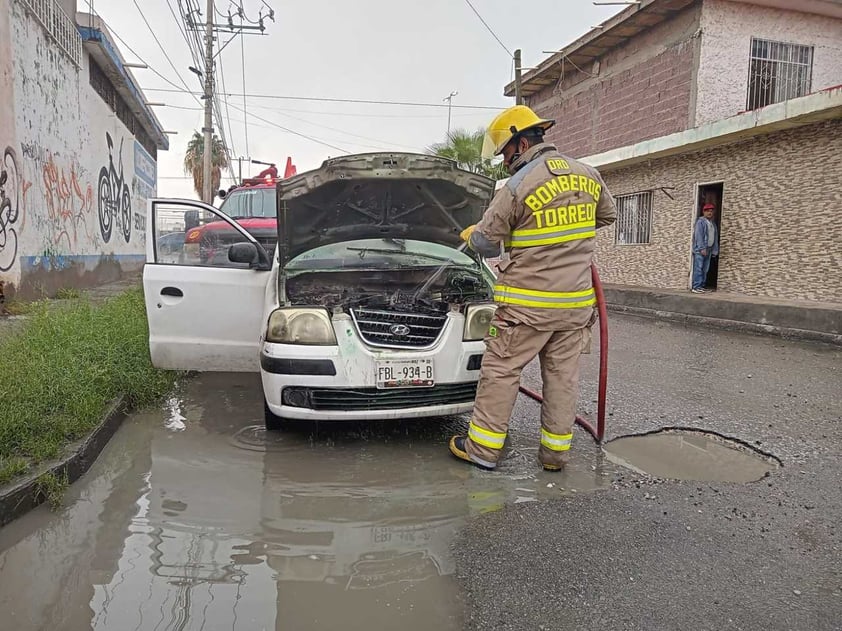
(711, 193)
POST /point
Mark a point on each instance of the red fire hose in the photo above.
(597, 432)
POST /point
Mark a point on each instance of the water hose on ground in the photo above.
(597, 432)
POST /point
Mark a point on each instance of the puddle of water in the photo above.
(195, 517)
(687, 455)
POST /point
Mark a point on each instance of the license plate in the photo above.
(405, 373)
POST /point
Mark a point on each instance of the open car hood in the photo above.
(379, 195)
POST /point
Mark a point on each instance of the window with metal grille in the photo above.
(777, 72)
(102, 85)
(634, 219)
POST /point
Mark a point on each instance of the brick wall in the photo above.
(781, 216)
(643, 90)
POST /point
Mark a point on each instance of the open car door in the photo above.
(204, 284)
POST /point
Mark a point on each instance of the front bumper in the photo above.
(339, 382)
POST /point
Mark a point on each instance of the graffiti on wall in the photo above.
(113, 197)
(9, 209)
(67, 198)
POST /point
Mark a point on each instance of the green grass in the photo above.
(61, 370)
(52, 487)
(68, 293)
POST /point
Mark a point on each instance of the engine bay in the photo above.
(398, 290)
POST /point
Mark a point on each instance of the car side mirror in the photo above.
(245, 252)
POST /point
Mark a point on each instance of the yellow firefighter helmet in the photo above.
(507, 125)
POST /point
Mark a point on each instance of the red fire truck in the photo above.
(253, 205)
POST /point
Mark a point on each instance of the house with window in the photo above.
(737, 103)
(78, 152)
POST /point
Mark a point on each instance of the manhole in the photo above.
(690, 455)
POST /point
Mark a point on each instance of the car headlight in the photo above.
(477, 320)
(300, 326)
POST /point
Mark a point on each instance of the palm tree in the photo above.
(193, 161)
(465, 148)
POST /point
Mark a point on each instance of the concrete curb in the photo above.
(732, 325)
(21, 496)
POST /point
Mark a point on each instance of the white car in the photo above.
(369, 307)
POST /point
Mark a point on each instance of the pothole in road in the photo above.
(682, 454)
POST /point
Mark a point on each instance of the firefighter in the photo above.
(545, 216)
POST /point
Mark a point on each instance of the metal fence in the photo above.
(59, 26)
(634, 219)
(778, 72)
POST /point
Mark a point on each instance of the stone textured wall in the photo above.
(727, 29)
(643, 90)
(781, 216)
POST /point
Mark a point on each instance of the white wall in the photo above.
(59, 146)
(727, 29)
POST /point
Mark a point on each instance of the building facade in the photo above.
(79, 148)
(683, 102)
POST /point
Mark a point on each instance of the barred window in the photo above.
(777, 72)
(634, 219)
(102, 85)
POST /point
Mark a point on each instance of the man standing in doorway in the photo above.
(705, 246)
(546, 216)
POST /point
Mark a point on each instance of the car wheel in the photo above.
(273, 421)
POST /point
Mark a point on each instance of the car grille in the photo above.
(355, 399)
(397, 329)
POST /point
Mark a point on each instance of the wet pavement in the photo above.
(690, 455)
(654, 554)
(194, 517)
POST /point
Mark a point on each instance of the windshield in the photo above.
(250, 202)
(380, 254)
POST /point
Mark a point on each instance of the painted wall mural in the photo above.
(113, 199)
(9, 209)
(74, 179)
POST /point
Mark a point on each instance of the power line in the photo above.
(141, 59)
(291, 131)
(196, 62)
(338, 100)
(499, 41)
(157, 41)
(347, 133)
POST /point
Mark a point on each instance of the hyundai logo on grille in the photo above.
(399, 330)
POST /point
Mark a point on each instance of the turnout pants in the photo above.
(510, 347)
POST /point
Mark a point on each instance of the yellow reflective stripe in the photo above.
(551, 230)
(556, 442)
(548, 235)
(547, 305)
(551, 240)
(486, 438)
(583, 293)
(546, 299)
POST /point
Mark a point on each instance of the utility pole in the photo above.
(449, 99)
(518, 91)
(210, 28)
(207, 192)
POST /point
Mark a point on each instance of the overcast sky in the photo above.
(385, 50)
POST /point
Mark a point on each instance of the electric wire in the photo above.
(157, 41)
(490, 30)
(291, 131)
(252, 95)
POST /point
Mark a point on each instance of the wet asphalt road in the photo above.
(652, 554)
(195, 518)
